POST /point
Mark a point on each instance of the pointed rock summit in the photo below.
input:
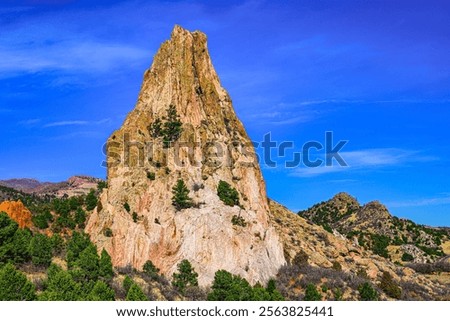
(184, 130)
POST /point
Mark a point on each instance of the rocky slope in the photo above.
(372, 226)
(75, 185)
(18, 212)
(213, 146)
(337, 262)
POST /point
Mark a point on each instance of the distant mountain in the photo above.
(372, 226)
(75, 185)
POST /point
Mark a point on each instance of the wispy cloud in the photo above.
(440, 200)
(368, 159)
(64, 123)
(30, 122)
(68, 56)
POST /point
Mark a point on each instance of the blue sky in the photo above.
(376, 73)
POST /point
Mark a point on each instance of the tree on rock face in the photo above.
(172, 126)
(181, 197)
(14, 285)
(91, 200)
(227, 194)
(135, 293)
(185, 277)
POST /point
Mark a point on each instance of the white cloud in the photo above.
(29, 122)
(368, 159)
(64, 123)
(70, 56)
(442, 200)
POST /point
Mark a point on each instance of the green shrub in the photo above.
(311, 293)
(101, 185)
(150, 269)
(380, 244)
(238, 220)
(227, 194)
(135, 217)
(151, 176)
(406, 257)
(42, 220)
(126, 206)
(180, 198)
(389, 286)
(367, 292)
(108, 232)
(185, 277)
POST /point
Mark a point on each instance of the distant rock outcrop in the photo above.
(184, 128)
(17, 212)
(74, 186)
(372, 226)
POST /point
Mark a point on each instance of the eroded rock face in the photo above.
(213, 146)
(17, 212)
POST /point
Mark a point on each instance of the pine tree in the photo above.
(150, 269)
(127, 283)
(135, 293)
(227, 194)
(75, 246)
(14, 286)
(87, 264)
(60, 286)
(7, 230)
(101, 292)
(185, 277)
(105, 266)
(41, 249)
(91, 200)
(155, 129)
(172, 127)
(181, 197)
(20, 245)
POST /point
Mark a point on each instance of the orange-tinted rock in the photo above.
(18, 212)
